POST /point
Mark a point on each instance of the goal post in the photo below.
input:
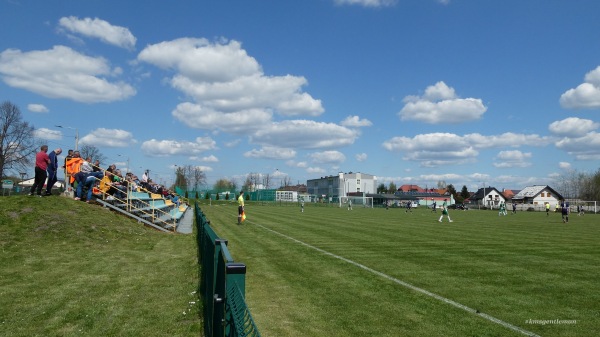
(366, 202)
(588, 206)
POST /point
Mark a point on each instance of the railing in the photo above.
(146, 208)
(222, 286)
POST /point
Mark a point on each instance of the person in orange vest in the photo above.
(73, 166)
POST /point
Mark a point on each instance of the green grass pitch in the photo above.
(304, 278)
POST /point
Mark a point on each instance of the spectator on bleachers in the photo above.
(86, 166)
(96, 166)
(73, 166)
(175, 200)
(110, 186)
(131, 182)
(87, 181)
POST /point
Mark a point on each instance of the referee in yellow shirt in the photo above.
(240, 207)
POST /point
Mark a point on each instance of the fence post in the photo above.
(220, 288)
(236, 274)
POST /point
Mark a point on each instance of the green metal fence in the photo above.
(222, 286)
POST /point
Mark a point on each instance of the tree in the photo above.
(224, 185)
(92, 152)
(573, 184)
(180, 178)
(381, 188)
(198, 177)
(392, 188)
(252, 182)
(17, 143)
(286, 181)
(266, 181)
(464, 193)
(451, 190)
(591, 187)
(441, 184)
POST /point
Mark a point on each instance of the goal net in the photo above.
(584, 206)
(366, 202)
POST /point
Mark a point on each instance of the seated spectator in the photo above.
(87, 182)
(86, 165)
(175, 200)
(96, 166)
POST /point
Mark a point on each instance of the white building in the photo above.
(488, 197)
(538, 195)
(286, 196)
(343, 184)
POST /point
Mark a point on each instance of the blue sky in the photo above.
(501, 93)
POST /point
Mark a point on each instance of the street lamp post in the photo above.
(127, 161)
(76, 134)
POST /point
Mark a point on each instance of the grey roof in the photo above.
(533, 191)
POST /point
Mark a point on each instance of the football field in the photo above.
(376, 272)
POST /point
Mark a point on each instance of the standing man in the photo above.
(445, 211)
(434, 207)
(41, 164)
(52, 170)
(514, 211)
(547, 209)
(302, 206)
(349, 204)
(502, 210)
(565, 211)
(240, 200)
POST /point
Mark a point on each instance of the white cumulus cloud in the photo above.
(440, 104)
(328, 157)
(221, 76)
(304, 134)
(355, 122)
(62, 72)
(100, 29)
(586, 95)
(108, 138)
(583, 148)
(271, 152)
(512, 158)
(167, 147)
(564, 165)
(47, 134)
(367, 3)
(573, 127)
(37, 108)
(435, 149)
(361, 157)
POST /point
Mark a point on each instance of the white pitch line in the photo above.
(408, 285)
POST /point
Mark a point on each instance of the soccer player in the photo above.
(502, 210)
(240, 200)
(445, 211)
(565, 211)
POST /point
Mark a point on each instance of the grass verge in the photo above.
(74, 269)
